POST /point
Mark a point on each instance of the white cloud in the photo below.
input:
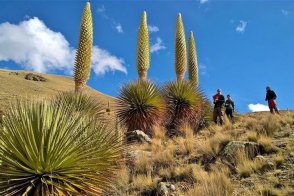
(153, 29)
(158, 45)
(284, 12)
(241, 27)
(258, 107)
(34, 46)
(119, 28)
(103, 61)
(203, 1)
(202, 69)
(101, 9)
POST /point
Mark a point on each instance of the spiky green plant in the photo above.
(192, 61)
(185, 104)
(143, 54)
(140, 106)
(83, 103)
(180, 49)
(48, 148)
(84, 51)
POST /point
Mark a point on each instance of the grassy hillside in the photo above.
(204, 164)
(13, 85)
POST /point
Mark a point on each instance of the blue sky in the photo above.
(242, 46)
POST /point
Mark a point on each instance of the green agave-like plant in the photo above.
(48, 148)
(83, 103)
(180, 49)
(143, 54)
(192, 61)
(84, 51)
(185, 104)
(140, 105)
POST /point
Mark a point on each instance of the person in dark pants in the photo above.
(271, 99)
(230, 108)
(218, 100)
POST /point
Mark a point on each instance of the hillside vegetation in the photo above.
(254, 156)
(14, 86)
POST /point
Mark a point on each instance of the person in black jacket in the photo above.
(218, 100)
(271, 99)
(230, 108)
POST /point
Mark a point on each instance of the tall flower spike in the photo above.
(84, 51)
(143, 55)
(192, 61)
(180, 49)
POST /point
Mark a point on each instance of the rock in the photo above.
(162, 189)
(172, 188)
(231, 149)
(35, 77)
(14, 73)
(165, 188)
(138, 135)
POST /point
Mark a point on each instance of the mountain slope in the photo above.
(13, 85)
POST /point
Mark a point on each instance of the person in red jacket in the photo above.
(271, 99)
(218, 100)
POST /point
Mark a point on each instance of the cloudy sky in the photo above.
(242, 46)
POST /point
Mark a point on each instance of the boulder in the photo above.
(230, 151)
(165, 189)
(35, 77)
(139, 136)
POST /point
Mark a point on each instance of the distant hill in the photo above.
(13, 85)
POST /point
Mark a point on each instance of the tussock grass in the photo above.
(212, 184)
(144, 182)
(245, 166)
(267, 143)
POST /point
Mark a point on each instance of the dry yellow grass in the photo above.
(17, 87)
(212, 184)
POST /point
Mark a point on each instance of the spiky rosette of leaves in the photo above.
(51, 149)
(143, 54)
(140, 106)
(82, 103)
(180, 49)
(84, 51)
(192, 61)
(185, 104)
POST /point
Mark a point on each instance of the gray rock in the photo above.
(162, 189)
(165, 189)
(138, 135)
(232, 148)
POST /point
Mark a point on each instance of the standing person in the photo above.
(218, 100)
(230, 107)
(271, 99)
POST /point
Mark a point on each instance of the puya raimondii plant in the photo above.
(56, 147)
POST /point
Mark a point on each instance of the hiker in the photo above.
(271, 99)
(230, 108)
(218, 100)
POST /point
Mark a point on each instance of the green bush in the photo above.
(50, 148)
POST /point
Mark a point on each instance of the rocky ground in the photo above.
(254, 156)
